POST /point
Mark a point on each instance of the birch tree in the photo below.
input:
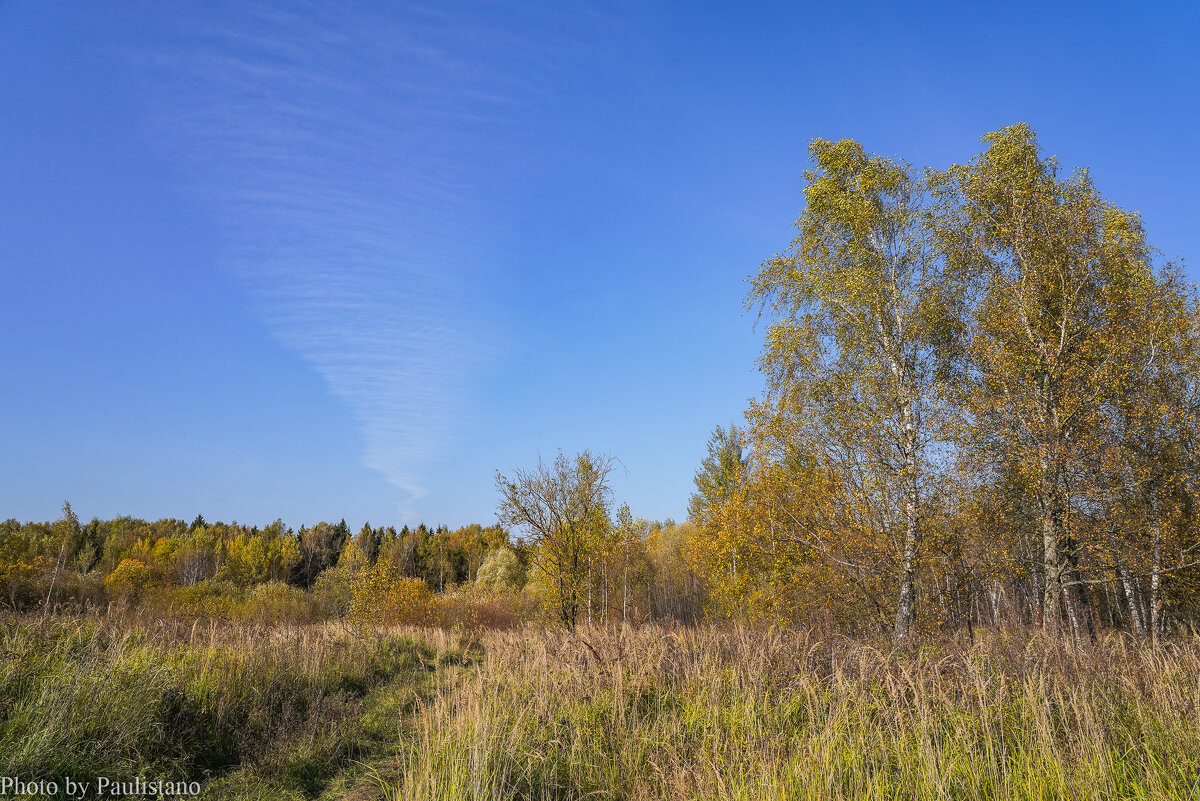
(858, 336)
(1064, 276)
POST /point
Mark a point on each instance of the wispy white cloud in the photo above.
(339, 149)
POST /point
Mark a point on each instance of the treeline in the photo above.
(982, 407)
(472, 575)
(128, 559)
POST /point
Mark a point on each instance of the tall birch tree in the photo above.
(1064, 278)
(858, 338)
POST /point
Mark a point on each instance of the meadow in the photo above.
(329, 711)
(248, 711)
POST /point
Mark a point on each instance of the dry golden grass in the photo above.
(258, 712)
(741, 714)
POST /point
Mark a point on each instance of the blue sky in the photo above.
(321, 260)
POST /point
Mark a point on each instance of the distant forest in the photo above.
(473, 574)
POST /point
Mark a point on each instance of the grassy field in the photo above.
(712, 714)
(249, 712)
(321, 712)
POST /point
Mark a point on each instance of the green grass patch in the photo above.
(248, 712)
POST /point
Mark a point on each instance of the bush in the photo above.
(382, 598)
(473, 609)
(276, 602)
(129, 581)
(79, 593)
(333, 593)
(21, 582)
(501, 570)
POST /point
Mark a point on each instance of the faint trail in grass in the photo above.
(392, 716)
(249, 712)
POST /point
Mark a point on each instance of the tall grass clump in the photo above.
(174, 702)
(741, 714)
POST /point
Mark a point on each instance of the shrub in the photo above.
(204, 599)
(129, 581)
(381, 597)
(501, 570)
(21, 581)
(276, 602)
(472, 609)
(333, 592)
